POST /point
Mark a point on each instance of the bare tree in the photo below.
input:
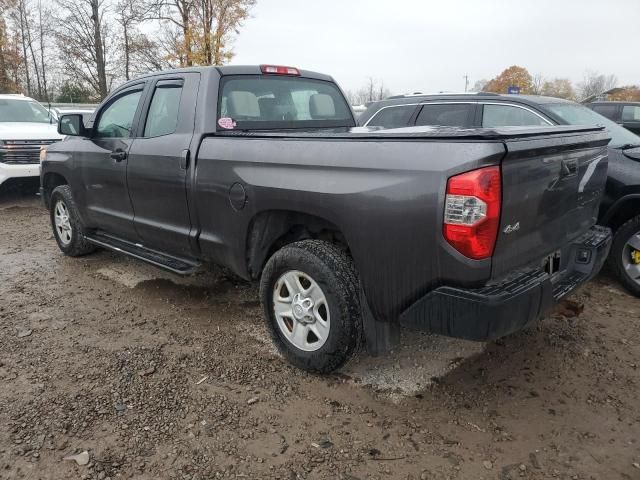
(372, 91)
(537, 82)
(595, 83)
(80, 30)
(130, 13)
(479, 85)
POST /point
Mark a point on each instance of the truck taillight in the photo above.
(279, 70)
(472, 212)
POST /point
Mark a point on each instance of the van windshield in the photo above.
(267, 102)
(22, 111)
(579, 115)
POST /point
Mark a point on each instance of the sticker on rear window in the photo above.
(227, 123)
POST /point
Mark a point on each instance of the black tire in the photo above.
(618, 252)
(76, 245)
(334, 272)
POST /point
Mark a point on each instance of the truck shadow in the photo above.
(19, 192)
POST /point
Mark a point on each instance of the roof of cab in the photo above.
(234, 70)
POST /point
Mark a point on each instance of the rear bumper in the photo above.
(506, 307)
(8, 170)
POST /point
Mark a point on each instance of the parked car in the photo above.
(351, 233)
(626, 114)
(620, 209)
(85, 112)
(25, 126)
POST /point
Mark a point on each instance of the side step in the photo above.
(176, 265)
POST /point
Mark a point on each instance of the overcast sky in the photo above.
(430, 45)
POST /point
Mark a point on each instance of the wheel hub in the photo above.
(62, 223)
(635, 256)
(302, 308)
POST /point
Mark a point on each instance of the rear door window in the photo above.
(263, 102)
(447, 114)
(510, 116)
(162, 118)
(393, 117)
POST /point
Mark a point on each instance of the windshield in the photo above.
(263, 102)
(579, 115)
(22, 111)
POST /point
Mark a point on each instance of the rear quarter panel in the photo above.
(386, 197)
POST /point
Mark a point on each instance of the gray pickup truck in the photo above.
(352, 233)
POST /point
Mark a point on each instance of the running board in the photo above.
(176, 265)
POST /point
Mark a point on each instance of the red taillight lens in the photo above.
(472, 212)
(279, 70)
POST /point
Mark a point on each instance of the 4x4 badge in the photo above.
(511, 228)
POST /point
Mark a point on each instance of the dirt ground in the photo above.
(160, 377)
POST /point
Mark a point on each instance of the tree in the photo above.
(10, 58)
(479, 85)
(630, 93)
(130, 13)
(81, 30)
(180, 15)
(226, 17)
(74, 93)
(372, 91)
(513, 76)
(558, 87)
(594, 83)
(202, 29)
(537, 82)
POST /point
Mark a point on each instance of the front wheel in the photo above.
(67, 226)
(624, 258)
(310, 296)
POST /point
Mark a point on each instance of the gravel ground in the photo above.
(154, 376)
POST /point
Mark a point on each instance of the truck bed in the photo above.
(384, 190)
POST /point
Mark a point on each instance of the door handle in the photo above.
(184, 158)
(119, 155)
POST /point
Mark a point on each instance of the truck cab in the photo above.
(25, 127)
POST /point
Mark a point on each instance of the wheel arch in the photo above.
(622, 210)
(270, 230)
(50, 181)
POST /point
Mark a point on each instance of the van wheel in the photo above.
(624, 258)
(310, 296)
(67, 226)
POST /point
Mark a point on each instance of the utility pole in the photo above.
(466, 83)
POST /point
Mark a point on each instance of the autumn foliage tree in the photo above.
(513, 76)
(628, 94)
(10, 58)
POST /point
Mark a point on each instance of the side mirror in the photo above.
(71, 124)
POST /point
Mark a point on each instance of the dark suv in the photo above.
(626, 114)
(620, 208)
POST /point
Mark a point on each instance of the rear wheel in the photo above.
(67, 226)
(309, 292)
(624, 258)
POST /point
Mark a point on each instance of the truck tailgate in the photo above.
(551, 190)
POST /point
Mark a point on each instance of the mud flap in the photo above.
(379, 337)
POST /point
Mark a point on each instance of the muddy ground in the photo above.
(158, 377)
